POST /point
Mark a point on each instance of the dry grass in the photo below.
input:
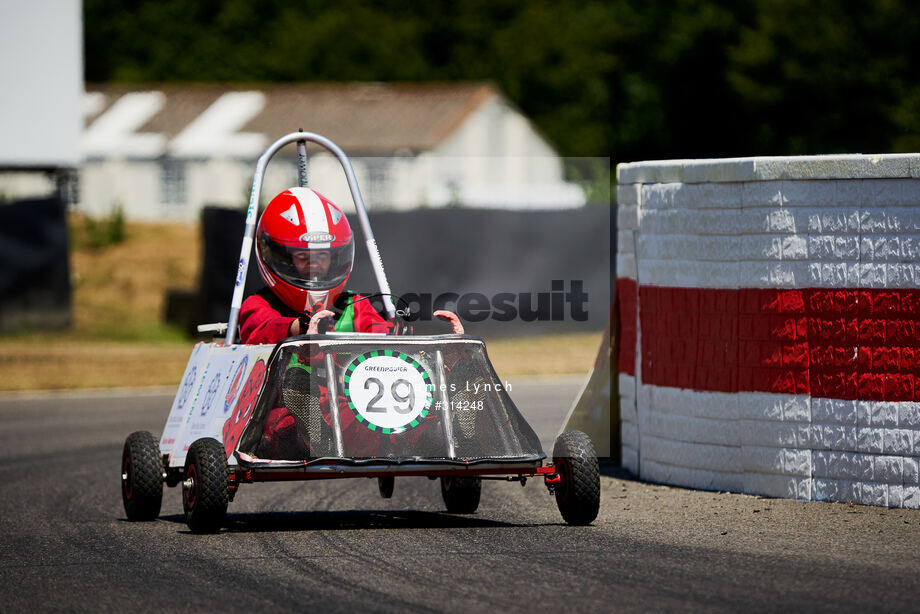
(118, 337)
(27, 365)
(119, 290)
(545, 355)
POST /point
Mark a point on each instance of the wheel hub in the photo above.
(126, 482)
(189, 487)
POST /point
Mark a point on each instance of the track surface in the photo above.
(335, 546)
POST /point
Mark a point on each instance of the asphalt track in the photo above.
(336, 546)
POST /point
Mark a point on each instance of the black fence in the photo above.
(505, 272)
(34, 265)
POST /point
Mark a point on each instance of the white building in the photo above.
(164, 152)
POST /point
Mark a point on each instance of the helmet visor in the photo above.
(309, 269)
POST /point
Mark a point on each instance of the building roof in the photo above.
(240, 120)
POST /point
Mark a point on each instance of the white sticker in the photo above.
(388, 391)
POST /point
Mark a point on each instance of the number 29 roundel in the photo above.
(389, 391)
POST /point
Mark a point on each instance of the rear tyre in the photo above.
(578, 494)
(142, 476)
(461, 495)
(385, 484)
(206, 486)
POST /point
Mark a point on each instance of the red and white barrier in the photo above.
(770, 325)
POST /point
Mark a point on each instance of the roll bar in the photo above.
(252, 214)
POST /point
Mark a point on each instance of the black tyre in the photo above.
(385, 484)
(578, 495)
(206, 486)
(461, 495)
(142, 476)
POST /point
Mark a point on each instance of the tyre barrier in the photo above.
(769, 337)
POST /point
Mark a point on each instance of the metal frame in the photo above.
(519, 472)
(249, 475)
(252, 214)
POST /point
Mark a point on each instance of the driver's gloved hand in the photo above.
(307, 315)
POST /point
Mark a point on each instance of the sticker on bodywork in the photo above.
(236, 424)
(389, 391)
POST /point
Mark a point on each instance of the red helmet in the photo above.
(305, 249)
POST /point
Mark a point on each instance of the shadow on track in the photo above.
(349, 520)
(613, 470)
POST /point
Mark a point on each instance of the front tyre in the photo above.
(578, 494)
(385, 485)
(461, 495)
(142, 476)
(206, 486)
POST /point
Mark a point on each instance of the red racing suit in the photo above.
(265, 319)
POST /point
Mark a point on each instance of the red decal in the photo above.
(238, 420)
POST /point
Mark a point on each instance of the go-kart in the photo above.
(365, 405)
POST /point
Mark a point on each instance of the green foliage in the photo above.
(593, 176)
(98, 233)
(618, 78)
(826, 77)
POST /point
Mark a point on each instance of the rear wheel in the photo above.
(461, 495)
(142, 476)
(578, 494)
(206, 486)
(385, 484)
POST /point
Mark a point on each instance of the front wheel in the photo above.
(578, 494)
(206, 487)
(461, 495)
(385, 484)
(142, 476)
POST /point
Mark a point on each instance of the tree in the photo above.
(626, 79)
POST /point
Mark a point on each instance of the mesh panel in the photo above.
(300, 394)
(484, 412)
(396, 402)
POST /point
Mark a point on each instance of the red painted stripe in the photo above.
(831, 343)
(625, 309)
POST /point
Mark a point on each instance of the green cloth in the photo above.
(346, 323)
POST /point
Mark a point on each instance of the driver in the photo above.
(305, 250)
